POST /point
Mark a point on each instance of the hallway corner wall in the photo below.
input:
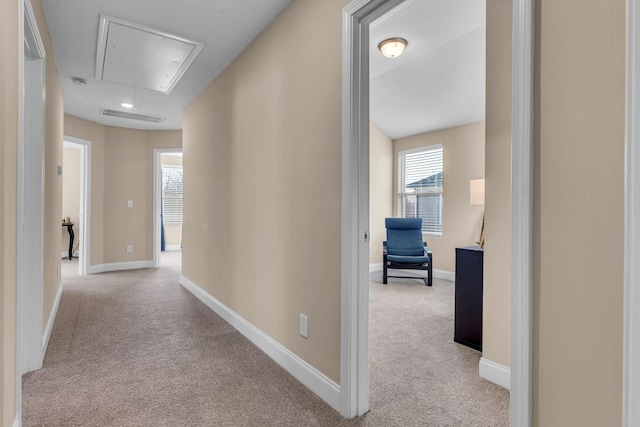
(262, 183)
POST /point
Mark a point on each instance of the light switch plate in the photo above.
(129, 203)
(304, 323)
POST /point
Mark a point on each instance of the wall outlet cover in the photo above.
(304, 323)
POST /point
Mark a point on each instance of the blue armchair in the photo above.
(404, 249)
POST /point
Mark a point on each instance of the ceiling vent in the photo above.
(142, 57)
(129, 115)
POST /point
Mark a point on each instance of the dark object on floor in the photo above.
(468, 310)
(404, 249)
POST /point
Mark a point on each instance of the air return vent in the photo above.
(130, 115)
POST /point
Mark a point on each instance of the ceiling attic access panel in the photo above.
(142, 57)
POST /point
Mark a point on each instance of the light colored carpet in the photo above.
(136, 349)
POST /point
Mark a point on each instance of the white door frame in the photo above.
(157, 188)
(354, 369)
(30, 209)
(30, 227)
(631, 375)
(84, 226)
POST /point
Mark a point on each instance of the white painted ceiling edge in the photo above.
(439, 82)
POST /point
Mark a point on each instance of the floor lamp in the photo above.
(476, 198)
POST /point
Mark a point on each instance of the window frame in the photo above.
(401, 184)
(162, 194)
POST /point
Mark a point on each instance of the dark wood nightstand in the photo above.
(468, 299)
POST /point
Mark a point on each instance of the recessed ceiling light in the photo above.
(79, 81)
(127, 105)
(392, 48)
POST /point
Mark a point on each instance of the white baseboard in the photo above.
(313, 379)
(172, 247)
(375, 267)
(495, 372)
(118, 266)
(17, 422)
(52, 318)
(437, 273)
(444, 274)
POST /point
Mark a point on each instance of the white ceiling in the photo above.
(226, 27)
(439, 81)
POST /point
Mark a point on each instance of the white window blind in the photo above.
(421, 186)
(172, 195)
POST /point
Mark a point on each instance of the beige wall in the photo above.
(94, 132)
(463, 160)
(121, 170)
(380, 189)
(578, 213)
(70, 196)
(128, 176)
(262, 182)
(496, 334)
(8, 190)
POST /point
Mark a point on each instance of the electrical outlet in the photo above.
(129, 249)
(129, 203)
(304, 322)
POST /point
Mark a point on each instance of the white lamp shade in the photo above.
(476, 192)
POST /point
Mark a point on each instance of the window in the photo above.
(172, 195)
(420, 187)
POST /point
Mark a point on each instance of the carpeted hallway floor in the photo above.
(136, 349)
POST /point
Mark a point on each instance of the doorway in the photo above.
(167, 207)
(358, 15)
(427, 113)
(76, 201)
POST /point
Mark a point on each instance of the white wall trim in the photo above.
(444, 274)
(17, 422)
(313, 379)
(30, 197)
(354, 308)
(172, 247)
(631, 377)
(522, 212)
(495, 372)
(52, 318)
(375, 267)
(120, 266)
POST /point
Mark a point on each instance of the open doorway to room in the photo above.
(426, 143)
(168, 208)
(514, 49)
(76, 178)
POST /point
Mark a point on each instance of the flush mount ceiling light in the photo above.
(127, 105)
(392, 48)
